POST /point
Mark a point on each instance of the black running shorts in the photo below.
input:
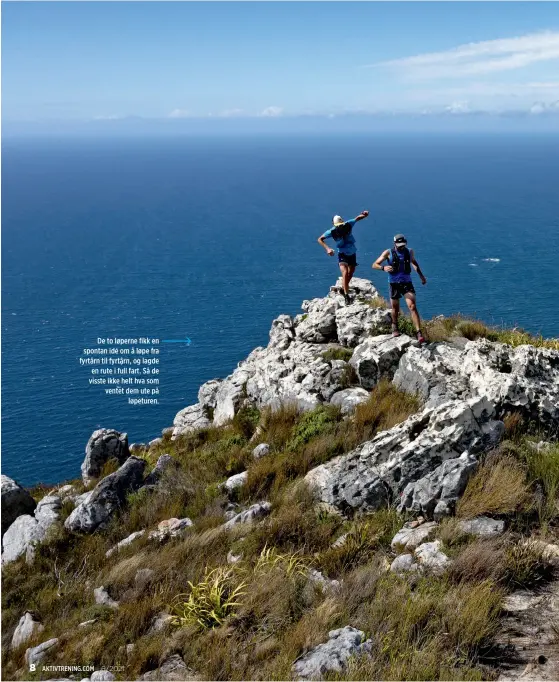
(351, 260)
(398, 289)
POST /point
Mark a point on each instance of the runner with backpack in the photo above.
(400, 261)
(341, 233)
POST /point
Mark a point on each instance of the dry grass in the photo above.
(498, 487)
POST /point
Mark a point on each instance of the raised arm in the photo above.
(362, 215)
(417, 268)
(377, 265)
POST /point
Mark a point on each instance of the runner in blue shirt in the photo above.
(341, 233)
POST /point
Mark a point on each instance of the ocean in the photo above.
(210, 239)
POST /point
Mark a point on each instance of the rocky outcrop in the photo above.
(170, 528)
(412, 535)
(107, 497)
(190, 419)
(37, 654)
(103, 444)
(27, 531)
(482, 526)
(103, 598)
(377, 358)
(27, 628)
(387, 468)
(253, 513)
(348, 399)
(16, 501)
(333, 655)
(524, 378)
(164, 463)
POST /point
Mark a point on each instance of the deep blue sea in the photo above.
(213, 238)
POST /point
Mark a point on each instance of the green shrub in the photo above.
(314, 423)
(210, 601)
(339, 353)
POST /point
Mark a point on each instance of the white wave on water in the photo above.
(473, 265)
(492, 260)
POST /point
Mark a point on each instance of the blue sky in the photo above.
(169, 60)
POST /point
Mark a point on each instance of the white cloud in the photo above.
(179, 113)
(231, 113)
(272, 111)
(109, 117)
(486, 57)
(545, 107)
(458, 108)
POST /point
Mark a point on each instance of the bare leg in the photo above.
(344, 268)
(395, 312)
(351, 270)
(410, 300)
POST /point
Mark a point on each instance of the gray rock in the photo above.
(348, 398)
(320, 324)
(408, 538)
(443, 508)
(482, 526)
(103, 598)
(340, 542)
(102, 676)
(387, 468)
(156, 441)
(324, 584)
(124, 543)
(64, 491)
(207, 393)
(253, 513)
(26, 532)
(27, 628)
(233, 558)
(377, 358)
(137, 448)
(190, 419)
(16, 501)
(170, 528)
(235, 482)
(164, 463)
(403, 564)
(261, 450)
(359, 287)
(333, 655)
(167, 432)
(107, 497)
(48, 510)
(103, 444)
(431, 559)
(282, 333)
(358, 320)
(160, 622)
(87, 623)
(36, 654)
(144, 576)
(172, 668)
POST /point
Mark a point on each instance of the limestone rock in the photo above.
(164, 463)
(380, 470)
(377, 357)
(333, 655)
(16, 501)
(348, 398)
(103, 598)
(103, 444)
(482, 526)
(144, 576)
(36, 654)
(190, 419)
(160, 622)
(107, 497)
(207, 393)
(27, 628)
(261, 451)
(359, 320)
(320, 324)
(172, 668)
(325, 584)
(253, 513)
(408, 538)
(235, 482)
(124, 543)
(102, 676)
(170, 528)
(27, 531)
(403, 564)
(431, 559)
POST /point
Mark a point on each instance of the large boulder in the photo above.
(27, 628)
(103, 444)
(37, 654)
(319, 323)
(358, 320)
(524, 379)
(333, 655)
(27, 531)
(378, 471)
(348, 398)
(107, 497)
(190, 419)
(15, 502)
(377, 357)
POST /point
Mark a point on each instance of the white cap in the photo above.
(337, 219)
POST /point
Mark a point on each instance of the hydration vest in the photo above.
(400, 264)
(341, 231)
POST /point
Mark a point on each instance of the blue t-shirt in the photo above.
(397, 277)
(345, 244)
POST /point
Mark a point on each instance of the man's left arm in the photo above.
(417, 268)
